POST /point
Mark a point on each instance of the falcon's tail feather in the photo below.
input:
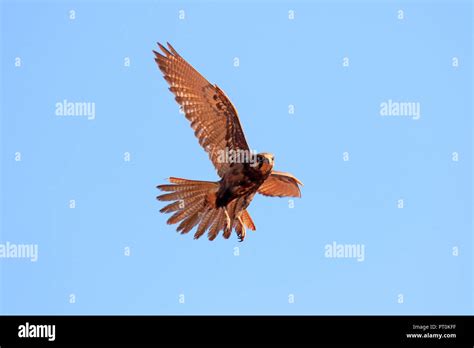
(194, 205)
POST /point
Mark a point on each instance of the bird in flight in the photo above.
(215, 206)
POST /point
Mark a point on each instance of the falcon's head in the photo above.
(265, 162)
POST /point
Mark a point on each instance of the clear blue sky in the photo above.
(408, 251)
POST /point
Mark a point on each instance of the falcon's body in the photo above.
(243, 179)
(221, 205)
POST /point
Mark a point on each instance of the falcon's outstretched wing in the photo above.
(213, 117)
(280, 184)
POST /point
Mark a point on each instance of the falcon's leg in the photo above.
(241, 236)
(227, 219)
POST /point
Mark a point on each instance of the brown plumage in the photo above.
(221, 205)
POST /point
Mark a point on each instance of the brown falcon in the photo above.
(216, 205)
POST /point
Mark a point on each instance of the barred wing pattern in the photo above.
(280, 184)
(213, 118)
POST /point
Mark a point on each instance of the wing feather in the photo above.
(213, 117)
(280, 184)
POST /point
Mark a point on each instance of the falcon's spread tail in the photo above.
(194, 205)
